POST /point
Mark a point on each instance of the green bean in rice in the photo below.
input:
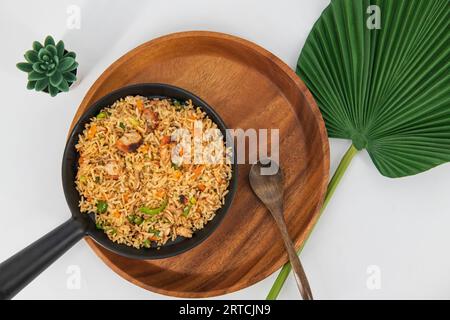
(126, 176)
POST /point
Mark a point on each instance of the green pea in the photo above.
(155, 232)
(101, 115)
(102, 206)
(186, 210)
(138, 220)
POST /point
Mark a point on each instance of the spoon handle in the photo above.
(299, 273)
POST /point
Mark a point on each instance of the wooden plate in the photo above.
(250, 88)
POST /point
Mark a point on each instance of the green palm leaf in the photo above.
(387, 89)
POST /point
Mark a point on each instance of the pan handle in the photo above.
(19, 270)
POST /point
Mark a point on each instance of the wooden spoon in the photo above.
(266, 180)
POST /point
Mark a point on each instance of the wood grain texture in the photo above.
(250, 88)
(270, 190)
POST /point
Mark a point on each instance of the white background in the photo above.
(401, 226)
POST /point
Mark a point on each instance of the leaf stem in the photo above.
(332, 185)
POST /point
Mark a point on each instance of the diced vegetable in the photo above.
(102, 206)
(192, 200)
(138, 220)
(143, 148)
(175, 166)
(83, 179)
(102, 115)
(122, 125)
(177, 174)
(134, 122)
(92, 131)
(99, 225)
(140, 105)
(111, 230)
(155, 232)
(165, 140)
(133, 219)
(177, 105)
(152, 219)
(186, 210)
(198, 171)
(154, 211)
(160, 193)
(147, 243)
(201, 187)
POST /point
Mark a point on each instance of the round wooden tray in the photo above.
(250, 88)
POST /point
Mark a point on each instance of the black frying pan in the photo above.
(24, 266)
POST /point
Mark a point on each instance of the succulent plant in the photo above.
(50, 67)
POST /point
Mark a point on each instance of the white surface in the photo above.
(401, 226)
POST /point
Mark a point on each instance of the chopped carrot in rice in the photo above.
(140, 105)
(198, 171)
(165, 140)
(160, 193)
(177, 174)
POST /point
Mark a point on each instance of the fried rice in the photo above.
(127, 176)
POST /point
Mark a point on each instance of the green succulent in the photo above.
(50, 67)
